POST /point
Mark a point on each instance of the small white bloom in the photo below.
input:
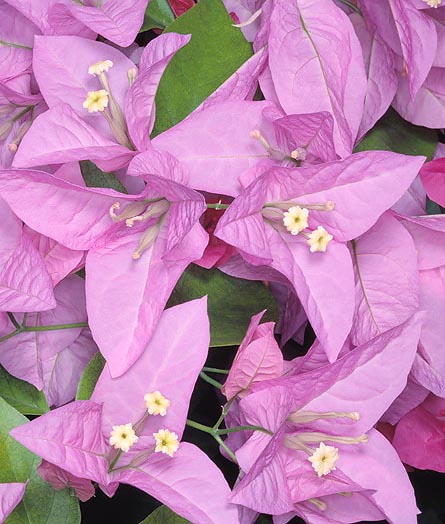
(166, 442)
(295, 219)
(324, 458)
(433, 3)
(100, 67)
(156, 403)
(123, 437)
(319, 239)
(96, 101)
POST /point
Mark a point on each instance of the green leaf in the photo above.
(95, 177)
(164, 515)
(21, 395)
(392, 133)
(215, 51)
(89, 377)
(41, 504)
(231, 302)
(158, 14)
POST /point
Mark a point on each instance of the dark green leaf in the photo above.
(41, 504)
(94, 177)
(164, 515)
(21, 395)
(432, 208)
(158, 14)
(215, 52)
(392, 133)
(231, 302)
(89, 377)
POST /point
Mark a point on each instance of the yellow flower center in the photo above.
(166, 442)
(96, 101)
(156, 403)
(123, 437)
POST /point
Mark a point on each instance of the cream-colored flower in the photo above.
(123, 437)
(319, 239)
(96, 101)
(166, 442)
(100, 67)
(295, 219)
(433, 3)
(156, 403)
(324, 458)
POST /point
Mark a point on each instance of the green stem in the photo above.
(22, 113)
(226, 448)
(352, 6)
(113, 462)
(25, 318)
(14, 320)
(224, 413)
(244, 428)
(10, 44)
(10, 335)
(210, 380)
(216, 370)
(30, 329)
(199, 426)
(55, 327)
(217, 206)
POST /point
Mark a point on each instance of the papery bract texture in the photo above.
(316, 64)
(11, 494)
(386, 279)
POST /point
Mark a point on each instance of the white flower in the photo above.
(433, 3)
(123, 437)
(100, 67)
(324, 458)
(295, 219)
(166, 442)
(96, 101)
(156, 403)
(319, 239)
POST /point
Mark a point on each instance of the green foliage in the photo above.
(158, 14)
(392, 133)
(89, 377)
(21, 395)
(231, 302)
(164, 515)
(95, 177)
(41, 504)
(215, 51)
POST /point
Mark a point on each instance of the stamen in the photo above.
(132, 73)
(319, 504)
(154, 210)
(256, 134)
(112, 212)
(329, 205)
(298, 154)
(5, 129)
(147, 239)
(316, 437)
(100, 67)
(302, 417)
(21, 132)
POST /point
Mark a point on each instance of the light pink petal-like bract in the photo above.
(386, 279)
(316, 64)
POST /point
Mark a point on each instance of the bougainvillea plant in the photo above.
(222, 261)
